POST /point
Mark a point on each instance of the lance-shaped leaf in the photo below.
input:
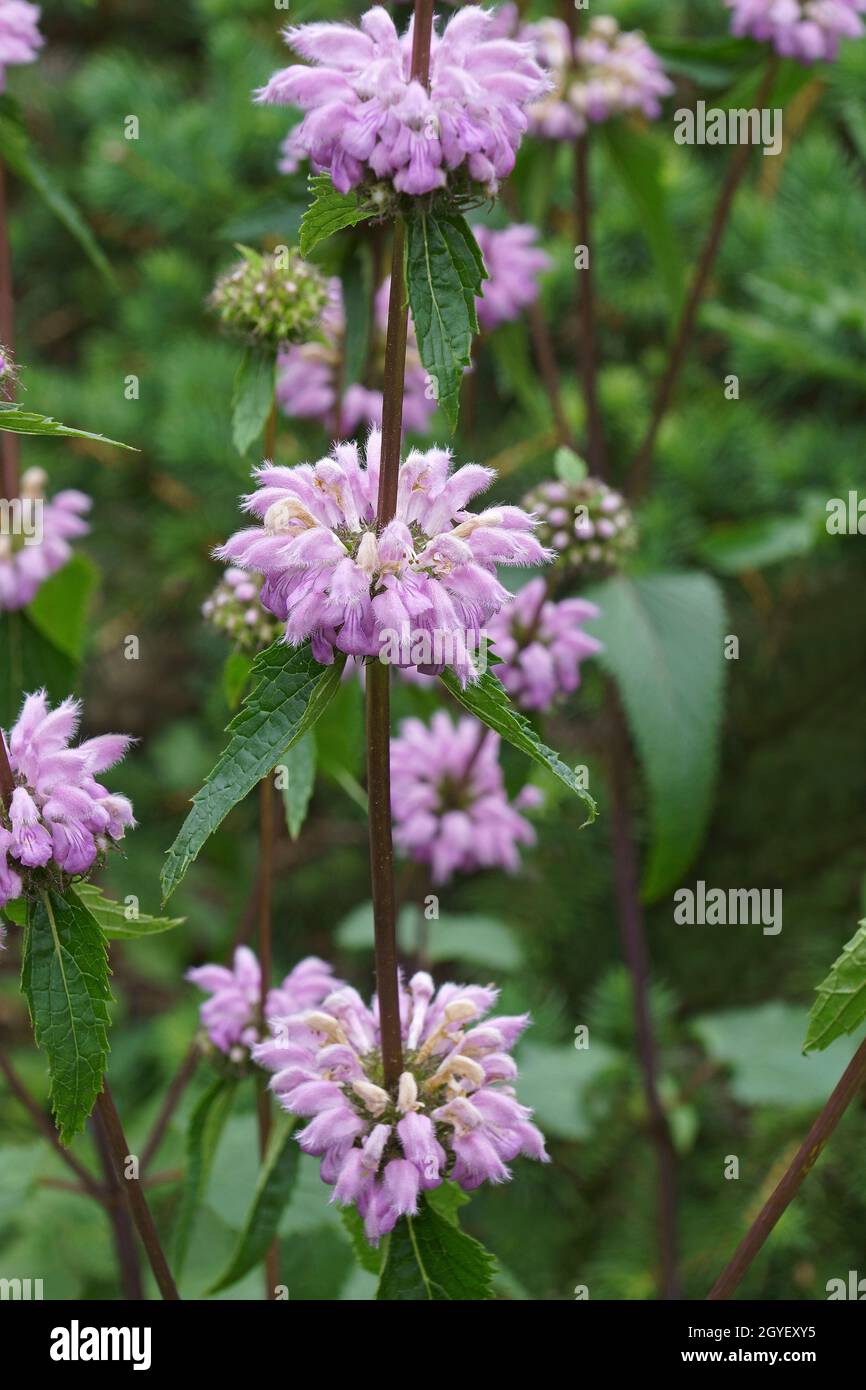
(17, 154)
(19, 421)
(205, 1127)
(488, 701)
(430, 1259)
(273, 1190)
(328, 213)
(300, 765)
(444, 274)
(64, 978)
(114, 920)
(841, 1003)
(663, 642)
(290, 692)
(252, 397)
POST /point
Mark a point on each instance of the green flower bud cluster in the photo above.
(270, 299)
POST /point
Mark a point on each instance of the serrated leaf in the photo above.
(300, 764)
(663, 642)
(446, 1200)
(205, 1127)
(291, 691)
(64, 978)
(113, 921)
(841, 1003)
(444, 273)
(328, 213)
(273, 1190)
(29, 662)
(430, 1259)
(252, 397)
(60, 607)
(19, 421)
(17, 154)
(358, 292)
(762, 1046)
(489, 702)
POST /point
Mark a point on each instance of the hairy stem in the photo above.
(265, 918)
(182, 1078)
(688, 317)
(144, 1223)
(634, 947)
(119, 1216)
(595, 446)
(379, 675)
(853, 1079)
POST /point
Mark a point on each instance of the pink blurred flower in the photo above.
(513, 264)
(39, 544)
(809, 30)
(231, 1017)
(20, 39)
(541, 645)
(455, 1114)
(448, 798)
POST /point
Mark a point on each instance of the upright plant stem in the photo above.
(144, 1224)
(853, 1079)
(688, 317)
(378, 674)
(9, 451)
(634, 946)
(265, 917)
(119, 1216)
(181, 1080)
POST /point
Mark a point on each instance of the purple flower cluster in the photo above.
(20, 39)
(58, 815)
(418, 593)
(38, 546)
(514, 264)
(232, 1015)
(541, 645)
(596, 76)
(809, 30)
(367, 121)
(455, 1115)
(308, 376)
(449, 802)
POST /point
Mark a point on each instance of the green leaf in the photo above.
(754, 545)
(467, 936)
(273, 1190)
(252, 397)
(841, 1003)
(113, 921)
(568, 466)
(663, 637)
(64, 978)
(60, 608)
(762, 1046)
(367, 1255)
(639, 159)
(290, 693)
(19, 421)
(205, 1127)
(430, 1258)
(29, 662)
(444, 273)
(358, 291)
(446, 1200)
(236, 677)
(16, 153)
(300, 765)
(329, 212)
(489, 702)
(554, 1081)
